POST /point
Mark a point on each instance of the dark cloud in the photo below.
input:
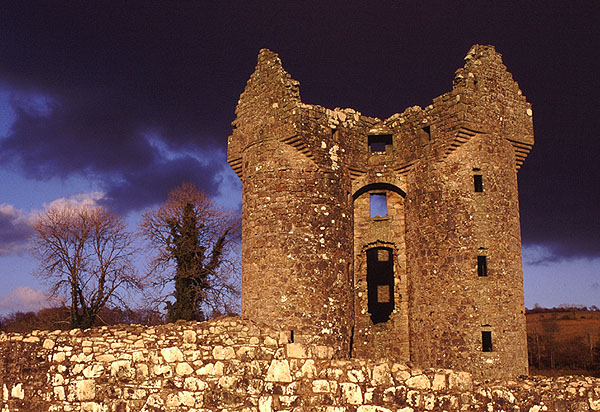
(152, 185)
(15, 230)
(114, 73)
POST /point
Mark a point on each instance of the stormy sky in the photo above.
(122, 101)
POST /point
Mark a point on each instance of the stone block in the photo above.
(296, 350)
(420, 382)
(439, 382)
(189, 336)
(223, 353)
(183, 369)
(85, 390)
(279, 371)
(265, 404)
(172, 354)
(382, 375)
(17, 391)
(351, 393)
(320, 386)
(461, 381)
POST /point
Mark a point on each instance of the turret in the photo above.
(296, 217)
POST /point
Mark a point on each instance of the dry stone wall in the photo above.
(232, 364)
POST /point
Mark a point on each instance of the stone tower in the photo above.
(396, 238)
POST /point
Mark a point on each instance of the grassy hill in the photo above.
(564, 340)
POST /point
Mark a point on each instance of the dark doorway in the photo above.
(380, 283)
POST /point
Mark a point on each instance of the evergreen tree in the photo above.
(192, 235)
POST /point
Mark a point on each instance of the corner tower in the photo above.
(463, 231)
(297, 213)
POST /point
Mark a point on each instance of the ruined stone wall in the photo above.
(235, 365)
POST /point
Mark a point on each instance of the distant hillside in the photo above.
(564, 340)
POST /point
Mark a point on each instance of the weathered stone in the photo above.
(356, 375)
(194, 384)
(308, 369)
(105, 358)
(172, 354)
(59, 357)
(265, 403)
(187, 399)
(320, 386)
(189, 336)
(418, 382)
(183, 369)
(85, 390)
(48, 344)
(461, 381)
(59, 393)
(382, 375)
(269, 341)
(121, 369)
(323, 352)
(439, 382)
(279, 371)
(222, 353)
(351, 393)
(296, 350)
(228, 382)
(17, 391)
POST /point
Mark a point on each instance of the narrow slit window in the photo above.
(427, 130)
(482, 266)
(478, 182)
(486, 341)
(380, 143)
(378, 203)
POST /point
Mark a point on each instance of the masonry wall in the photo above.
(297, 243)
(236, 365)
(449, 226)
(296, 218)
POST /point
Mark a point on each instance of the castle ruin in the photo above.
(395, 238)
(427, 269)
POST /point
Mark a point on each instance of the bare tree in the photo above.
(194, 242)
(87, 252)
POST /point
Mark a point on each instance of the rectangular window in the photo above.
(378, 204)
(380, 143)
(482, 265)
(478, 182)
(486, 340)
